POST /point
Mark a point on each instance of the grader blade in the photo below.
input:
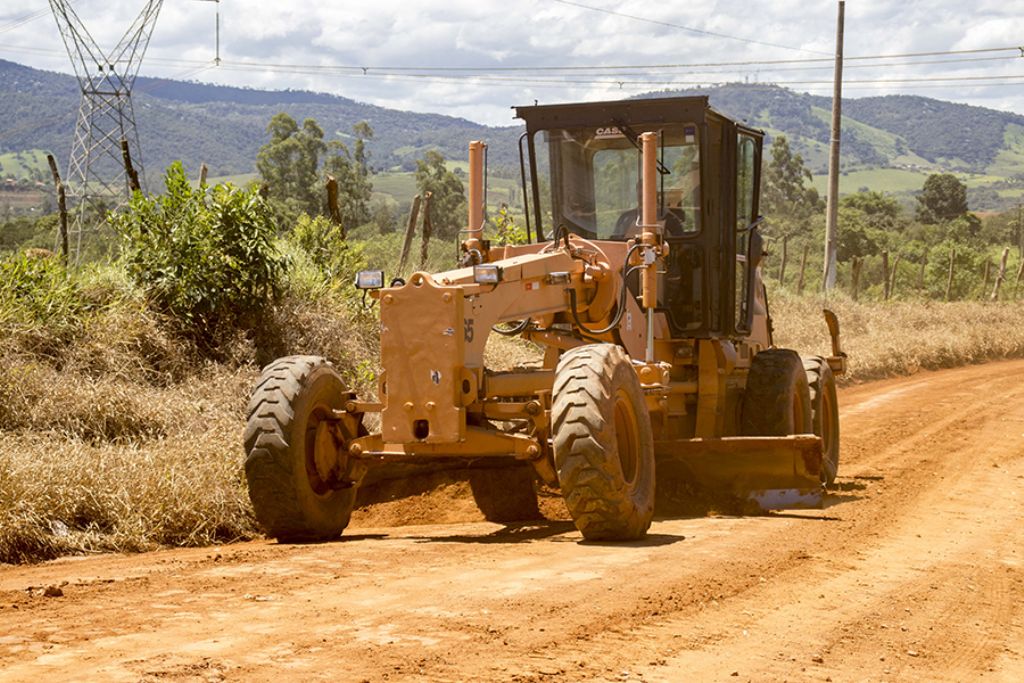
(776, 472)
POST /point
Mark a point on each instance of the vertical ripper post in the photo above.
(475, 227)
(650, 237)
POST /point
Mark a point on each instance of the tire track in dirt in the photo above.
(934, 432)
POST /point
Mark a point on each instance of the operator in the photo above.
(628, 224)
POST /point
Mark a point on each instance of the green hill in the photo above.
(890, 143)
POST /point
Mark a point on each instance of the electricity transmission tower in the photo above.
(96, 177)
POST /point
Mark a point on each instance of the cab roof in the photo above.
(633, 112)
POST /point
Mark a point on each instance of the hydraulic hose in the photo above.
(513, 331)
(620, 309)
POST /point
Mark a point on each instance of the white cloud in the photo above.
(538, 33)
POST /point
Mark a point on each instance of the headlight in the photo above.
(370, 279)
(486, 274)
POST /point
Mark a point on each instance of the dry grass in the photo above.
(902, 337)
(121, 438)
(126, 471)
(118, 438)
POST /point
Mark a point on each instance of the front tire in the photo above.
(777, 400)
(603, 443)
(296, 482)
(825, 414)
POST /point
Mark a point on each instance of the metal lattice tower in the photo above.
(96, 177)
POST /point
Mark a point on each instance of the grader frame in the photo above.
(658, 343)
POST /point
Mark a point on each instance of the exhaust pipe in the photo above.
(650, 236)
(475, 226)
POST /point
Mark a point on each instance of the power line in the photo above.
(619, 67)
(21, 21)
(497, 80)
(620, 80)
(1018, 53)
(684, 28)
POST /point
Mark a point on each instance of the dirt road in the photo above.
(915, 571)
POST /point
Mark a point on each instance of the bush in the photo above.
(323, 242)
(204, 256)
(36, 294)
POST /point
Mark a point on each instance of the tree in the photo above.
(447, 205)
(289, 165)
(353, 175)
(787, 198)
(384, 216)
(881, 211)
(942, 198)
(857, 238)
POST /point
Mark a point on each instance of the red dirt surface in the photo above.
(912, 572)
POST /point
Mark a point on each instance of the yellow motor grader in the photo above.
(642, 283)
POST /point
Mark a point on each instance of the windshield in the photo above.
(594, 176)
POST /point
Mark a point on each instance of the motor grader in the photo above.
(642, 284)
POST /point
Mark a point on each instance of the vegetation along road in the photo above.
(912, 572)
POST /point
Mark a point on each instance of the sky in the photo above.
(521, 48)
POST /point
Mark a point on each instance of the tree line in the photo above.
(936, 248)
(297, 163)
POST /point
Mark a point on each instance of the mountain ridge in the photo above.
(224, 126)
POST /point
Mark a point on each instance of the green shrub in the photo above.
(322, 240)
(204, 256)
(36, 291)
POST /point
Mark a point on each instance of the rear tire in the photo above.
(777, 400)
(825, 414)
(507, 494)
(603, 443)
(295, 485)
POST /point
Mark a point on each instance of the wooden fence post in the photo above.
(410, 230)
(885, 276)
(129, 169)
(803, 270)
(949, 282)
(858, 263)
(62, 208)
(332, 203)
(428, 229)
(921, 274)
(1000, 275)
(895, 269)
(1020, 276)
(785, 257)
(988, 276)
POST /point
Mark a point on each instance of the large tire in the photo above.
(506, 494)
(603, 443)
(777, 400)
(296, 495)
(825, 414)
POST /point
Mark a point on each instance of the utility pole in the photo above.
(216, 59)
(831, 219)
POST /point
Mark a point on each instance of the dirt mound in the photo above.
(435, 498)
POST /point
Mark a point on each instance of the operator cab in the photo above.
(581, 174)
(596, 176)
